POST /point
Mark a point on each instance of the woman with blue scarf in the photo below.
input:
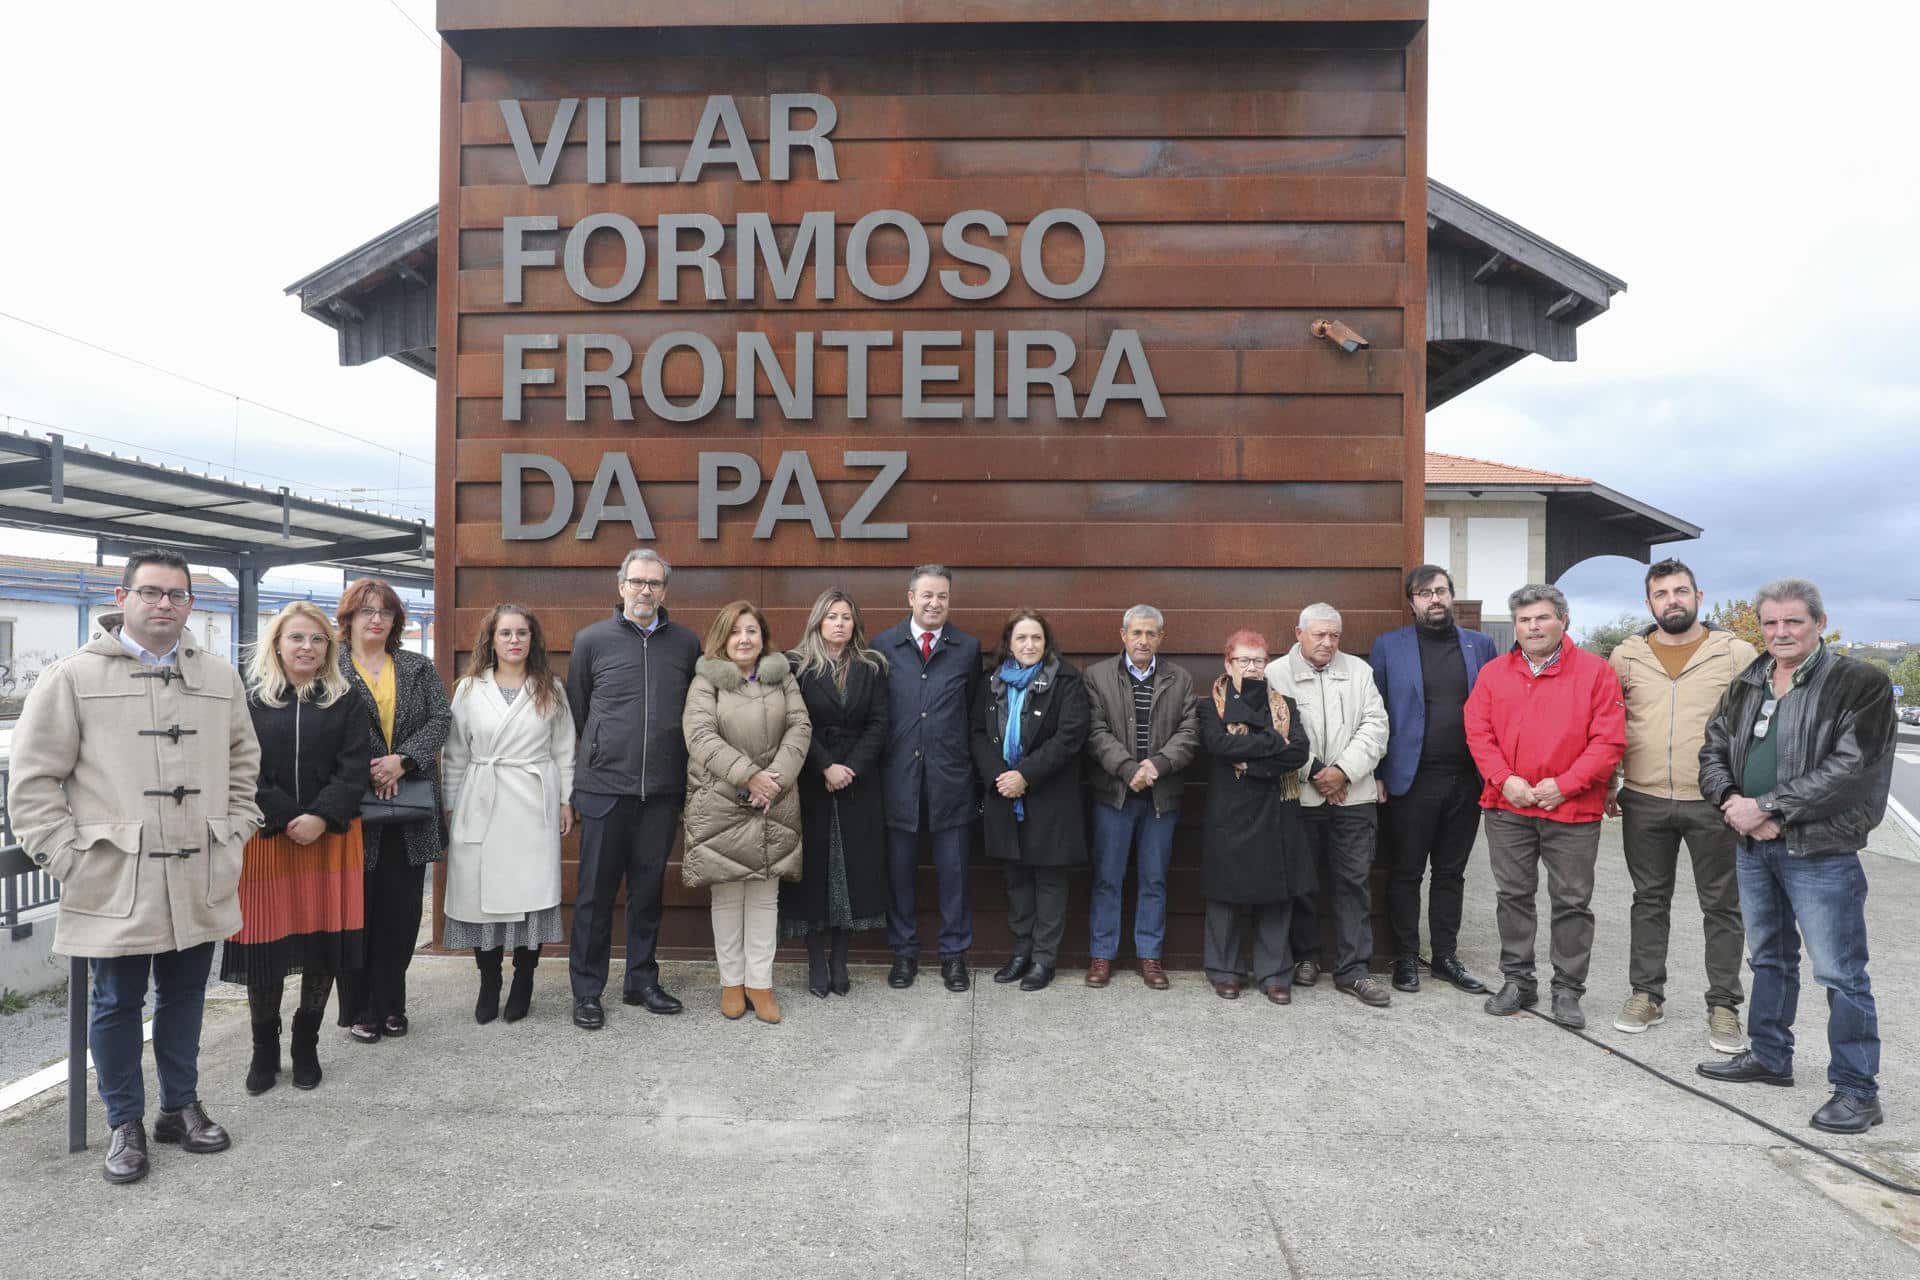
(1029, 727)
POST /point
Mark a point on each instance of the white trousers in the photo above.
(746, 929)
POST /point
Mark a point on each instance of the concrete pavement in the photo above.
(1069, 1132)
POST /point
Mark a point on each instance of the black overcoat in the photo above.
(1054, 718)
(313, 759)
(849, 730)
(421, 721)
(927, 711)
(1254, 846)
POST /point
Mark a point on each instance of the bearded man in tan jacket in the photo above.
(132, 783)
(1673, 675)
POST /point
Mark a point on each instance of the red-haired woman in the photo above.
(407, 719)
(508, 772)
(1253, 850)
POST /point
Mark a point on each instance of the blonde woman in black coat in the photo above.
(1030, 725)
(843, 868)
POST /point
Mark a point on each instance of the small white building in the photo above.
(1496, 527)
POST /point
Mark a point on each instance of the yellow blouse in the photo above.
(383, 695)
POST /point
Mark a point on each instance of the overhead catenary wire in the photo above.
(1798, 1141)
(219, 391)
(428, 35)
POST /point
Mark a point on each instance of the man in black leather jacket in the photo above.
(1799, 757)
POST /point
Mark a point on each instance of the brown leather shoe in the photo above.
(1099, 972)
(733, 1002)
(1228, 990)
(1153, 975)
(764, 1008)
(1277, 993)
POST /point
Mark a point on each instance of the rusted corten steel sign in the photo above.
(802, 295)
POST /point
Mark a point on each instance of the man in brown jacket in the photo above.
(132, 783)
(1144, 732)
(1672, 676)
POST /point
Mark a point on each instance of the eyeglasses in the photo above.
(650, 586)
(1767, 709)
(373, 615)
(1433, 593)
(154, 595)
(1259, 660)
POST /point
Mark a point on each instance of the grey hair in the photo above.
(928, 571)
(1792, 589)
(646, 553)
(1536, 593)
(1319, 613)
(1142, 611)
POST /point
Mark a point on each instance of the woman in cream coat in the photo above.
(747, 735)
(508, 770)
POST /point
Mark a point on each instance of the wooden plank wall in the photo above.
(1245, 186)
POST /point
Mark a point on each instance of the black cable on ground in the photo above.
(1774, 1129)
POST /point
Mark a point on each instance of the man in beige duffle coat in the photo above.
(132, 783)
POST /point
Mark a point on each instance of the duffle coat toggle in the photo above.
(175, 732)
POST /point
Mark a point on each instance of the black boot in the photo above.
(264, 1067)
(817, 962)
(520, 995)
(305, 1049)
(837, 965)
(487, 1007)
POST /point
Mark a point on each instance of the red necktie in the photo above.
(926, 647)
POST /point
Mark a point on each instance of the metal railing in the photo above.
(20, 882)
(25, 891)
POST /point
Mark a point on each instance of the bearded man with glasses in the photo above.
(1798, 758)
(1430, 786)
(627, 679)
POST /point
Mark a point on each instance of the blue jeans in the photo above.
(1827, 895)
(1115, 834)
(179, 996)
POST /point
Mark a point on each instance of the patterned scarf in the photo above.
(1018, 680)
(1277, 708)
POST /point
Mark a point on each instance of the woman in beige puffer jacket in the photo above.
(747, 734)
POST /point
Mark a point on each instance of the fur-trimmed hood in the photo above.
(726, 676)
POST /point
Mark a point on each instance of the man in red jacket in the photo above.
(1546, 724)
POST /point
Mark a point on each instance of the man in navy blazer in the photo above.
(1428, 781)
(933, 672)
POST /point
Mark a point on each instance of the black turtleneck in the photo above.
(1443, 673)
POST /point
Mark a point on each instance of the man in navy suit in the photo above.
(933, 672)
(1429, 783)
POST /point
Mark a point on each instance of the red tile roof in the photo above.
(1453, 469)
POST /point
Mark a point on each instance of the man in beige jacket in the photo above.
(1672, 676)
(132, 783)
(1346, 722)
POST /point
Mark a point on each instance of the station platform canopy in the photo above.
(127, 504)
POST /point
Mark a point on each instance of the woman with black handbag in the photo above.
(302, 881)
(407, 719)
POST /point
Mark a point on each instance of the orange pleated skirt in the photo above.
(302, 908)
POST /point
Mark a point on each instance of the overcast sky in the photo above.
(1745, 171)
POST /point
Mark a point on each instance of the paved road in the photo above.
(1906, 771)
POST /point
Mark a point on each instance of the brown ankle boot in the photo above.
(733, 1001)
(764, 1008)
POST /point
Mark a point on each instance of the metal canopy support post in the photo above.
(77, 993)
(246, 575)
